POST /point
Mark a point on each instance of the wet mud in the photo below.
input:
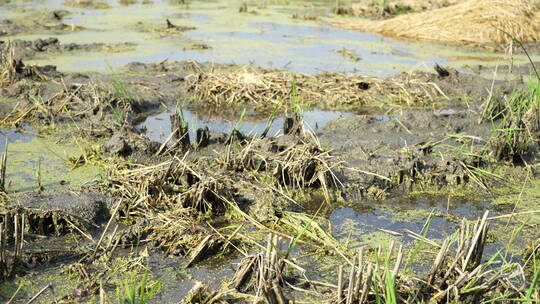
(38, 21)
(33, 48)
(402, 149)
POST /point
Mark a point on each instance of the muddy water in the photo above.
(158, 126)
(267, 35)
(367, 224)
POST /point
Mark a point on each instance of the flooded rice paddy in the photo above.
(172, 142)
(267, 35)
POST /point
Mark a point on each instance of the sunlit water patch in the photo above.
(268, 37)
(158, 126)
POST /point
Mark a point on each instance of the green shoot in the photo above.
(270, 120)
(240, 120)
(536, 278)
(118, 120)
(184, 124)
(296, 102)
(38, 175)
(420, 243)
(389, 282)
(514, 236)
(118, 84)
(135, 291)
(301, 233)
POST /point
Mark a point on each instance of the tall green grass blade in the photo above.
(536, 278)
(390, 287)
(419, 245)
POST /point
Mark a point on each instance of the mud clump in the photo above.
(180, 68)
(61, 212)
(128, 143)
(100, 106)
(31, 48)
(168, 28)
(403, 150)
(41, 21)
(459, 86)
(14, 70)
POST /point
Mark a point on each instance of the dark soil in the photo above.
(32, 48)
(44, 22)
(86, 208)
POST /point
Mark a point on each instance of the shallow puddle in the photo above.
(369, 225)
(35, 161)
(158, 126)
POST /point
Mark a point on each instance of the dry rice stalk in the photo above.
(3, 166)
(159, 183)
(206, 195)
(12, 223)
(306, 166)
(475, 22)
(175, 231)
(263, 272)
(459, 274)
(74, 101)
(298, 166)
(172, 198)
(201, 293)
(267, 89)
(13, 69)
(172, 183)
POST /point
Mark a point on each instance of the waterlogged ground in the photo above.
(266, 35)
(52, 160)
(157, 127)
(44, 161)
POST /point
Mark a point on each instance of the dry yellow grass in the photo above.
(473, 22)
(268, 89)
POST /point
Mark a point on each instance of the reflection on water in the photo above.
(10, 136)
(158, 126)
(401, 214)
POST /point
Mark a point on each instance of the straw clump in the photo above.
(473, 22)
(12, 69)
(266, 89)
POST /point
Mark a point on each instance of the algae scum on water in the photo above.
(36, 161)
(257, 152)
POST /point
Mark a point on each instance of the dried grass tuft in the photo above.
(306, 166)
(473, 22)
(263, 272)
(13, 69)
(266, 89)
